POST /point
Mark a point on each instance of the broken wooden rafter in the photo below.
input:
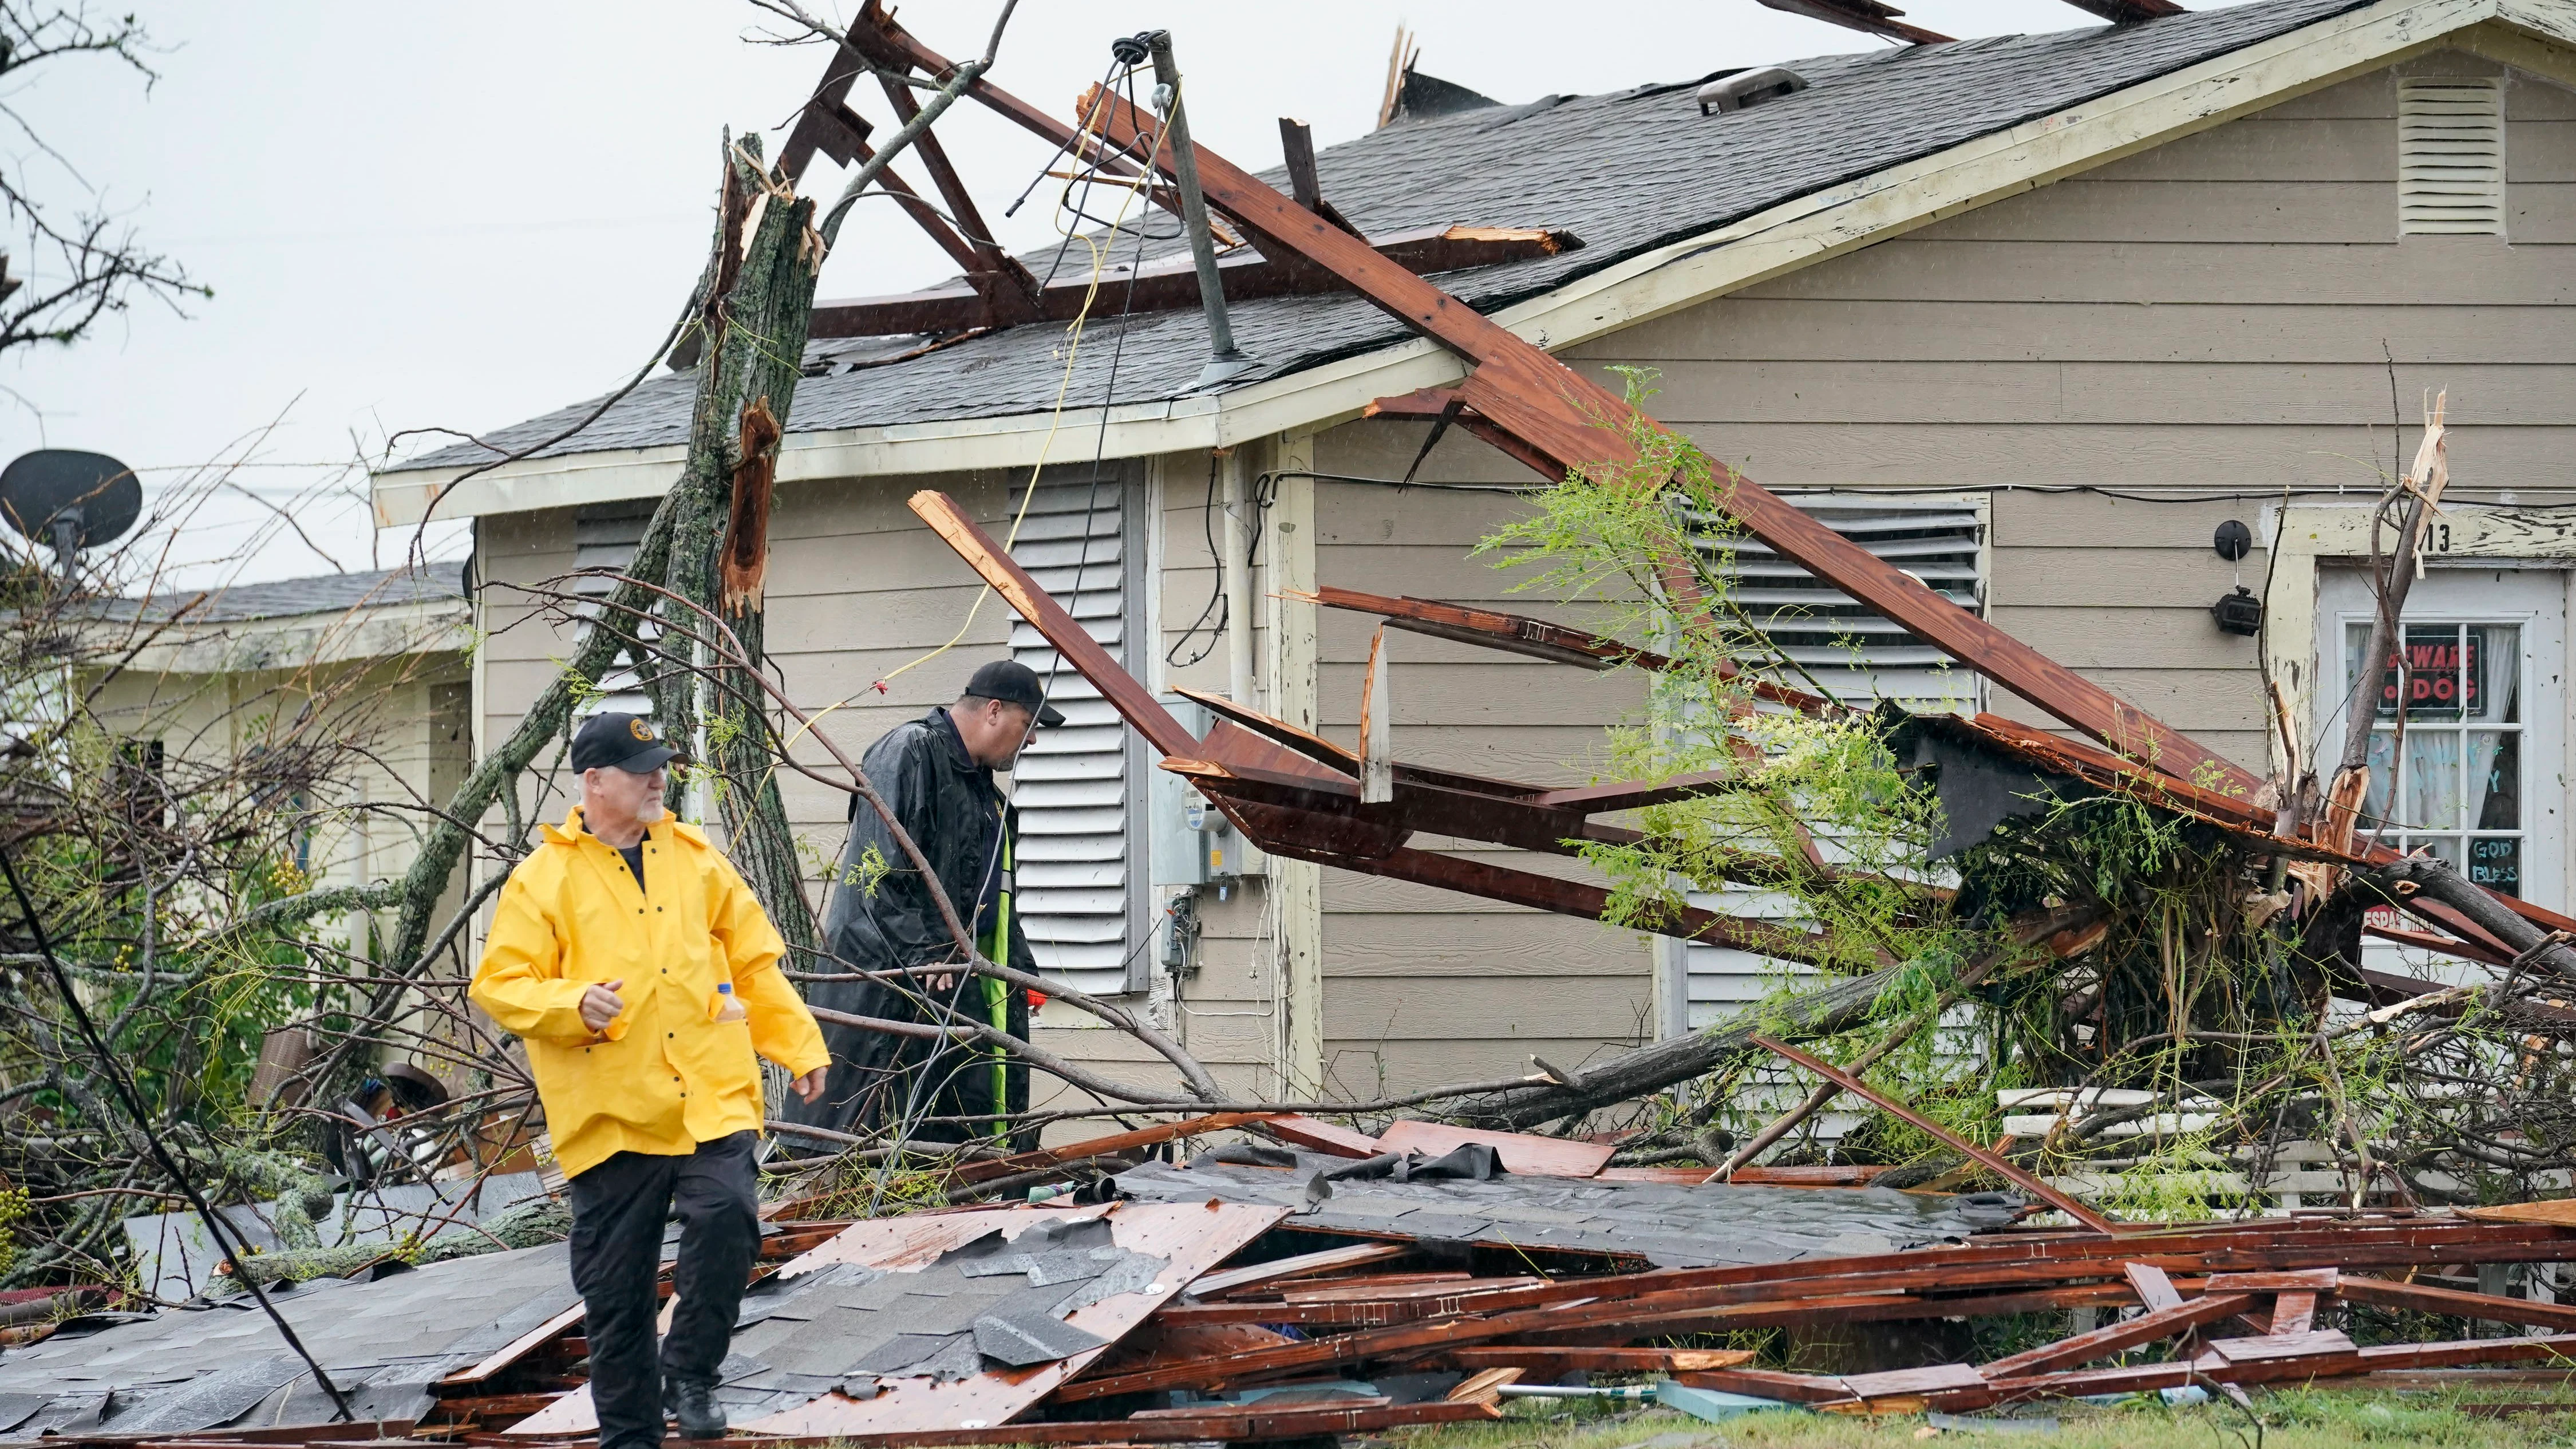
(827, 125)
(1297, 152)
(1537, 639)
(1869, 17)
(1560, 414)
(1318, 815)
(1166, 284)
(1287, 832)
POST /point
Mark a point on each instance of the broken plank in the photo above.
(2455, 1303)
(2325, 1345)
(517, 1348)
(1228, 1425)
(1154, 1136)
(1539, 1358)
(2154, 1289)
(2293, 1313)
(1321, 1136)
(2155, 1324)
(1520, 1152)
(1304, 1265)
(1767, 1384)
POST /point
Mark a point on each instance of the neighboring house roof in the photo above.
(1644, 180)
(283, 598)
(294, 623)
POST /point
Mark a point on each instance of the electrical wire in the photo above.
(218, 1229)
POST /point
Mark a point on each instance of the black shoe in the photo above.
(694, 1406)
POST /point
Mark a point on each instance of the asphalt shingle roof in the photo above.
(286, 598)
(1626, 172)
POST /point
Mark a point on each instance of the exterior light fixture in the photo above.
(2239, 612)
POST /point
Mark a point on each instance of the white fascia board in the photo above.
(1783, 238)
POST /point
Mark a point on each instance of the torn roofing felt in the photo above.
(385, 1343)
(1666, 1225)
(994, 1302)
(1626, 172)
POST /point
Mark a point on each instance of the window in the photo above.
(2450, 156)
(605, 536)
(2446, 760)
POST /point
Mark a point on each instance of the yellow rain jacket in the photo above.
(666, 1075)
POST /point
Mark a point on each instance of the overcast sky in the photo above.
(463, 214)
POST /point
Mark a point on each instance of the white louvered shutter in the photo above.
(1856, 655)
(2450, 156)
(605, 536)
(1076, 893)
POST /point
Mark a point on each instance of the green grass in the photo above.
(2293, 1419)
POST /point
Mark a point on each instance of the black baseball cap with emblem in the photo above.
(1012, 682)
(623, 741)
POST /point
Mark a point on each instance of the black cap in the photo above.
(623, 741)
(1012, 682)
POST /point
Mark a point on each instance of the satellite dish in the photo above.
(70, 500)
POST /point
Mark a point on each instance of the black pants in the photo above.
(618, 1208)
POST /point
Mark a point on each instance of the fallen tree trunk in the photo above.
(2434, 880)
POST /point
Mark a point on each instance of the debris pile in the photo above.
(1261, 1292)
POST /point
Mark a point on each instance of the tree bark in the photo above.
(755, 360)
(2435, 880)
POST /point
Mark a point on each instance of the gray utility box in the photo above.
(1193, 844)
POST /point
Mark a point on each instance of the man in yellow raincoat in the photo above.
(644, 976)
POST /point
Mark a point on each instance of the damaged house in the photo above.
(2090, 332)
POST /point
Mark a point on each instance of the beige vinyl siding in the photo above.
(2203, 318)
(1423, 986)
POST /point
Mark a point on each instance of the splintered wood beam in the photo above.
(1564, 415)
(1009, 291)
(1132, 700)
(1377, 726)
(1297, 149)
(1289, 832)
(826, 124)
(1536, 639)
(1170, 283)
(1866, 16)
(2149, 1327)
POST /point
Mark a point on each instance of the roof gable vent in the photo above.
(2450, 156)
(1749, 87)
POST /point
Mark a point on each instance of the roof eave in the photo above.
(293, 641)
(2535, 35)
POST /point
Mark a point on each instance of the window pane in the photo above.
(2434, 682)
(2493, 670)
(2440, 847)
(2496, 863)
(2433, 779)
(2495, 779)
(2383, 779)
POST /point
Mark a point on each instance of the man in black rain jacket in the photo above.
(936, 774)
